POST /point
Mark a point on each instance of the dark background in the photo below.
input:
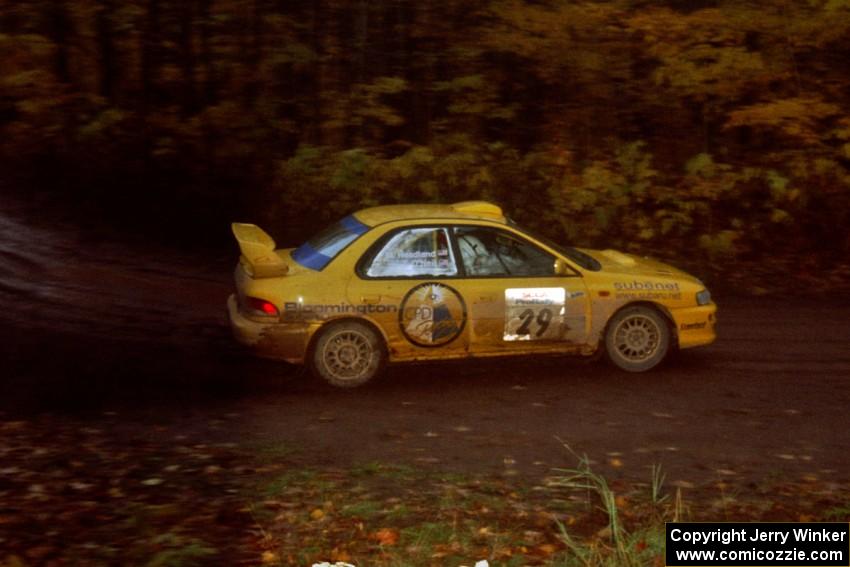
(713, 134)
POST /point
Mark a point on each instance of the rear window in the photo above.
(317, 252)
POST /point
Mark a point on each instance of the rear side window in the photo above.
(317, 252)
(413, 253)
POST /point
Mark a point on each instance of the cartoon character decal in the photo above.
(432, 314)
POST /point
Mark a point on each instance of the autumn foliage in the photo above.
(707, 131)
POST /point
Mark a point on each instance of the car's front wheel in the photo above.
(348, 354)
(637, 338)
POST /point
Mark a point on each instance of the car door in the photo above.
(517, 302)
(410, 272)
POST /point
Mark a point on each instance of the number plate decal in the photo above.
(534, 313)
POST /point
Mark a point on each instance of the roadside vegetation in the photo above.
(75, 494)
(391, 515)
(709, 132)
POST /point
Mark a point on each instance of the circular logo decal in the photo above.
(432, 314)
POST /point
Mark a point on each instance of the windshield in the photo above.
(586, 261)
(317, 252)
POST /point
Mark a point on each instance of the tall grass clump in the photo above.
(614, 545)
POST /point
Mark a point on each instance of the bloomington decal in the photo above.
(432, 314)
(296, 310)
(693, 326)
(534, 313)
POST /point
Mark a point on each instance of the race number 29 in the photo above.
(533, 313)
(536, 325)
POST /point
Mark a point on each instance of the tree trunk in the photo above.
(60, 30)
(189, 103)
(210, 90)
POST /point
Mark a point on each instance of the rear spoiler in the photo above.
(258, 251)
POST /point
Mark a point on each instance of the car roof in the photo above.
(476, 210)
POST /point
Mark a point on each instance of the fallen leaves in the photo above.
(408, 516)
(385, 536)
(74, 493)
(173, 498)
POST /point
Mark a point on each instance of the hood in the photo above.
(616, 262)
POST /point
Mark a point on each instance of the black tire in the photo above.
(348, 354)
(637, 339)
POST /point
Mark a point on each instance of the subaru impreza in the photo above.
(431, 282)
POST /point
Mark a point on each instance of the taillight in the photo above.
(261, 307)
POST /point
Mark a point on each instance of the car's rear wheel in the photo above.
(348, 354)
(637, 338)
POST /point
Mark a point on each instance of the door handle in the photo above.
(370, 299)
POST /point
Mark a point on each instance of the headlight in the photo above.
(703, 297)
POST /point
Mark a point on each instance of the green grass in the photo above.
(398, 513)
(428, 534)
(289, 480)
(838, 513)
(270, 452)
(365, 509)
(614, 545)
(424, 540)
(386, 471)
(179, 551)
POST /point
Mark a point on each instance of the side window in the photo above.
(414, 252)
(491, 252)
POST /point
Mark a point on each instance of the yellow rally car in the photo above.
(427, 282)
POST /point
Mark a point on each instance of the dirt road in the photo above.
(137, 331)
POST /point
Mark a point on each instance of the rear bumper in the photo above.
(279, 341)
(695, 326)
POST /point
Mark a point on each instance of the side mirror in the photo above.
(561, 268)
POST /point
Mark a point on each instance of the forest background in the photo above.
(714, 134)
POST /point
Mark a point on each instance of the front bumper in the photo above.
(279, 341)
(696, 326)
